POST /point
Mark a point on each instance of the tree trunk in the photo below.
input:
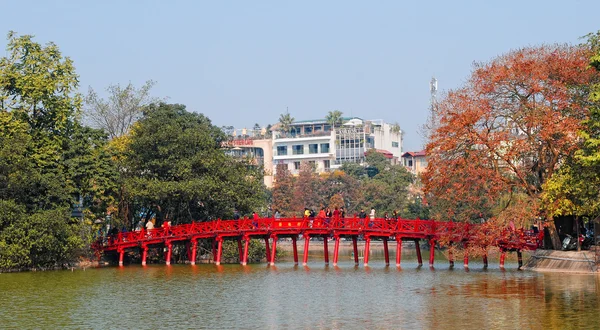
(556, 244)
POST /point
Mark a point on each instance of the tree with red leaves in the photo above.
(502, 136)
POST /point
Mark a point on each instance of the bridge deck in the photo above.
(271, 229)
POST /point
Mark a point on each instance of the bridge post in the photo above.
(121, 255)
(355, 247)
(418, 248)
(520, 258)
(431, 252)
(246, 245)
(336, 249)
(326, 249)
(485, 260)
(193, 250)
(274, 250)
(267, 249)
(466, 256)
(398, 250)
(169, 251)
(305, 256)
(386, 251)
(219, 250)
(367, 247)
(295, 248)
(144, 254)
(502, 256)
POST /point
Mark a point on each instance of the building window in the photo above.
(327, 128)
(298, 150)
(327, 164)
(296, 165)
(318, 128)
(313, 148)
(307, 130)
(410, 163)
(395, 144)
(282, 151)
(324, 148)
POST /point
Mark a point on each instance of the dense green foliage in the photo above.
(176, 169)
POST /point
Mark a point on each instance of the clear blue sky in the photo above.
(244, 62)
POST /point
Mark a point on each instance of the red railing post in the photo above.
(355, 248)
(274, 251)
(219, 250)
(325, 249)
(144, 254)
(267, 249)
(246, 246)
(240, 250)
(466, 255)
(305, 256)
(194, 251)
(398, 250)
(418, 249)
(295, 248)
(169, 251)
(386, 251)
(121, 256)
(431, 252)
(336, 250)
(502, 257)
(367, 247)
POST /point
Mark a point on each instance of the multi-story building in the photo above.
(327, 147)
(415, 161)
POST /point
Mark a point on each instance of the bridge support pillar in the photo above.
(295, 248)
(274, 250)
(219, 251)
(485, 260)
(520, 258)
(418, 248)
(431, 252)
(466, 255)
(246, 246)
(144, 254)
(168, 255)
(386, 252)
(367, 248)
(193, 251)
(121, 256)
(267, 249)
(326, 249)
(305, 256)
(502, 257)
(355, 247)
(336, 250)
(240, 250)
(398, 250)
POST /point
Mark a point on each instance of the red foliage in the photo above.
(506, 131)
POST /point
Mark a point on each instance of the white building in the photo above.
(316, 142)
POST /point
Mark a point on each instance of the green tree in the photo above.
(177, 169)
(305, 189)
(285, 121)
(334, 118)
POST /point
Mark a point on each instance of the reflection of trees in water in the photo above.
(511, 300)
(571, 301)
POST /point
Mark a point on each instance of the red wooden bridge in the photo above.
(271, 230)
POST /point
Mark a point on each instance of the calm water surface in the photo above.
(288, 296)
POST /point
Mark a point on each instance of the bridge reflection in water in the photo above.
(270, 230)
